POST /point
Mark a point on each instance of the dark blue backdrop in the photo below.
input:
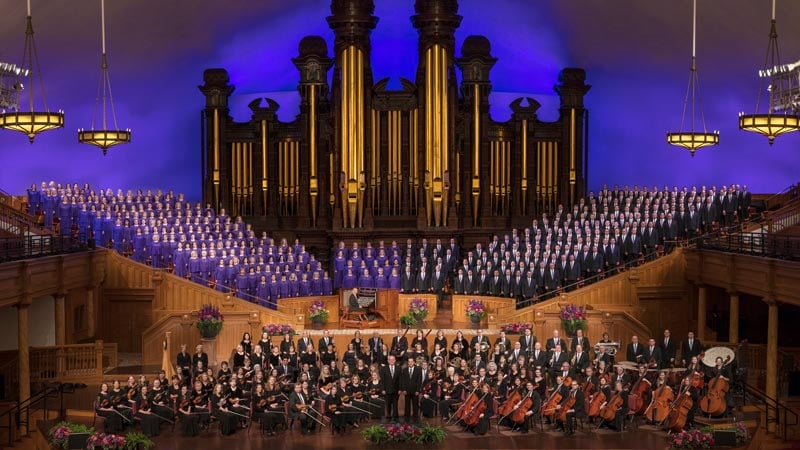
(636, 54)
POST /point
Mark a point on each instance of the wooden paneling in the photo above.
(299, 307)
(495, 307)
(761, 277)
(126, 312)
(404, 300)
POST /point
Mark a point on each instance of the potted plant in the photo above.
(573, 318)
(691, 439)
(418, 309)
(408, 320)
(377, 434)
(138, 441)
(430, 434)
(278, 330)
(106, 441)
(68, 435)
(476, 310)
(317, 312)
(209, 321)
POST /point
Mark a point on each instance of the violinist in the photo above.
(174, 389)
(695, 367)
(575, 409)
(131, 391)
(268, 408)
(104, 407)
(335, 411)
(219, 407)
(452, 393)
(119, 402)
(429, 393)
(325, 380)
(266, 344)
(225, 373)
(439, 368)
(621, 376)
(189, 422)
(441, 340)
(238, 357)
(200, 357)
(309, 356)
(160, 401)
(373, 389)
(200, 403)
(150, 421)
(485, 409)
(299, 403)
(357, 391)
(238, 401)
(539, 382)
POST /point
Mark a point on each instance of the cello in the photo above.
(596, 403)
(510, 405)
(658, 409)
(473, 415)
(549, 407)
(639, 397)
(561, 415)
(609, 412)
(679, 410)
(521, 411)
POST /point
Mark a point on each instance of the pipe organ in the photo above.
(361, 158)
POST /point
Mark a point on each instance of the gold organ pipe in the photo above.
(312, 132)
(216, 146)
(264, 157)
(572, 156)
(250, 188)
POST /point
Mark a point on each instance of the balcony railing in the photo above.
(36, 246)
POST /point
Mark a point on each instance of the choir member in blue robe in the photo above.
(65, 217)
(116, 235)
(83, 223)
(106, 229)
(49, 205)
(33, 200)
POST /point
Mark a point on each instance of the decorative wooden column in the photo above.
(733, 326)
(701, 313)
(772, 360)
(90, 311)
(24, 354)
(60, 316)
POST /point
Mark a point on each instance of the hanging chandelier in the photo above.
(781, 116)
(105, 137)
(692, 139)
(33, 122)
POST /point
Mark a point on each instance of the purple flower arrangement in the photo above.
(107, 441)
(317, 310)
(516, 327)
(691, 439)
(209, 320)
(404, 433)
(418, 308)
(476, 308)
(278, 330)
(573, 317)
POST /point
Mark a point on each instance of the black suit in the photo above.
(653, 355)
(524, 343)
(391, 385)
(302, 345)
(634, 355)
(668, 352)
(687, 353)
(541, 360)
(371, 342)
(410, 383)
(583, 342)
(296, 413)
(399, 347)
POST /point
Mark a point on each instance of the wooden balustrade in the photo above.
(787, 216)
(75, 362)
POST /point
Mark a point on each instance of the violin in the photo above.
(333, 407)
(263, 402)
(199, 400)
(358, 395)
(345, 398)
(105, 403)
(132, 393)
(185, 404)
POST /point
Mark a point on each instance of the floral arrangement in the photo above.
(404, 433)
(475, 308)
(573, 317)
(107, 441)
(135, 440)
(742, 433)
(278, 330)
(516, 327)
(408, 320)
(59, 434)
(691, 439)
(317, 309)
(210, 320)
(418, 308)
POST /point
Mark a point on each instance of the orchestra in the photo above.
(516, 386)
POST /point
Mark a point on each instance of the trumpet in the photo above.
(611, 348)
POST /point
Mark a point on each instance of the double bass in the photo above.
(714, 403)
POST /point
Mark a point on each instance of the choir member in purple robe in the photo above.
(230, 274)
(366, 280)
(139, 250)
(304, 289)
(316, 284)
(339, 265)
(381, 282)
(65, 217)
(206, 268)
(252, 280)
(294, 285)
(349, 281)
(179, 259)
(274, 292)
(33, 200)
(283, 287)
(106, 229)
(155, 252)
(242, 285)
(195, 268)
(395, 279)
(262, 292)
(327, 284)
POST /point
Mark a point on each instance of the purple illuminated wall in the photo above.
(636, 54)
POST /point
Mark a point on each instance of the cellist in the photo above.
(622, 411)
(721, 370)
(486, 408)
(574, 401)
